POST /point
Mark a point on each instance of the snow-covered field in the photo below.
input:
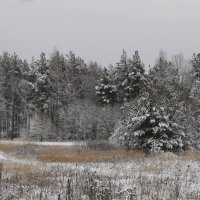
(162, 177)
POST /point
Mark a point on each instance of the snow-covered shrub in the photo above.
(154, 130)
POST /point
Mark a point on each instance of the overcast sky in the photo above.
(98, 30)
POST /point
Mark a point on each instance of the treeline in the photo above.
(83, 101)
(160, 109)
(61, 89)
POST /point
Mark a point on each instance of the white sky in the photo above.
(98, 30)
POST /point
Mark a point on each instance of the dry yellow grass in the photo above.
(27, 173)
(148, 169)
(63, 154)
(191, 155)
(7, 148)
(78, 155)
(20, 151)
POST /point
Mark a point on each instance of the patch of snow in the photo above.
(41, 143)
(2, 156)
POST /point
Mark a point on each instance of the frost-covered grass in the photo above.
(28, 172)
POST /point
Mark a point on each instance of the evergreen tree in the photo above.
(89, 81)
(164, 81)
(43, 84)
(155, 130)
(136, 76)
(76, 69)
(105, 90)
(121, 76)
(130, 77)
(196, 65)
(194, 102)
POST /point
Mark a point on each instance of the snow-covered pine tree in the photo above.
(154, 130)
(105, 89)
(76, 69)
(194, 100)
(43, 85)
(195, 90)
(121, 75)
(164, 79)
(195, 97)
(129, 76)
(136, 76)
(196, 65)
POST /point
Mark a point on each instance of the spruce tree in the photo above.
(105, 89)
(43, 84)
(164, 80)
(76, 69)
(196, 65)
(129, 76)
(136, 76)
(155, 130)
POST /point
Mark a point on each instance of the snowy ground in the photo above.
(2, 156)
(161, 177)
(18, 142)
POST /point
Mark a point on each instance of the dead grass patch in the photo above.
(27, 173)
(191, 155)
(78, 155)
(7, 148)
(148, 169)
(20, 151)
